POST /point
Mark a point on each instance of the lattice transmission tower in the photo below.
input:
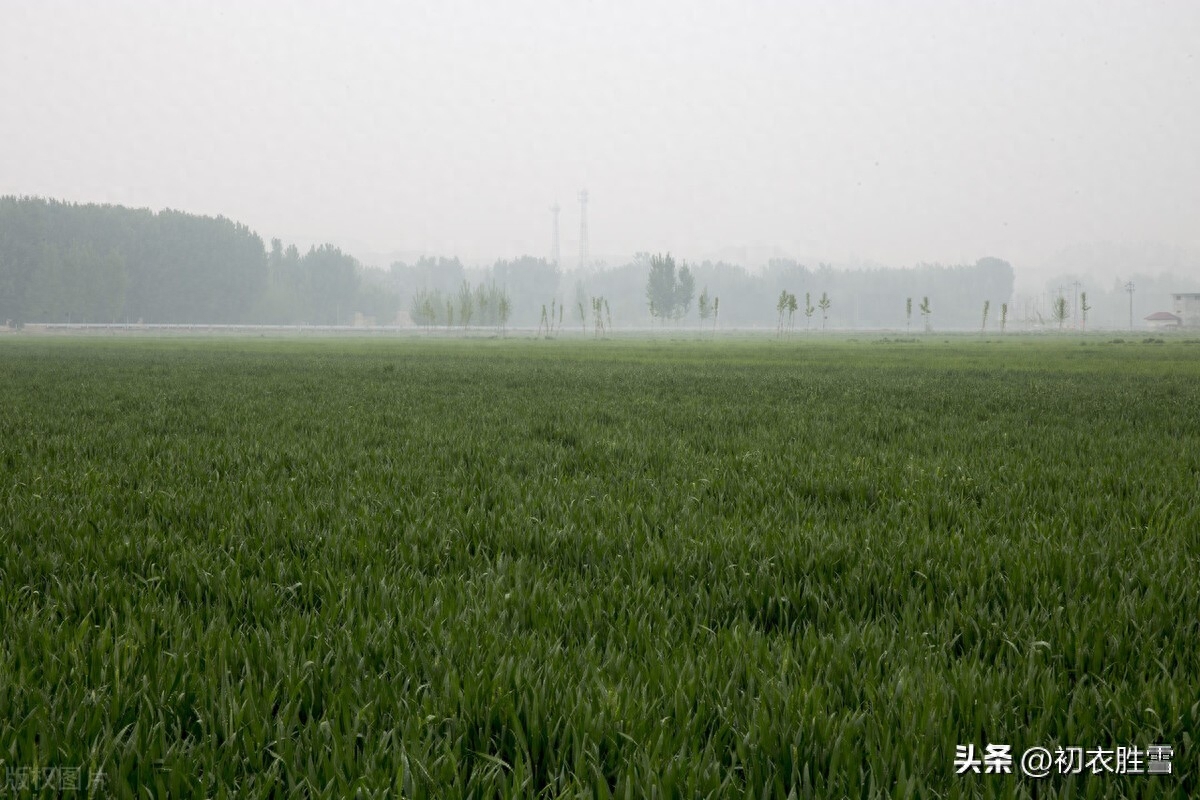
(554, 209)
(583, 229)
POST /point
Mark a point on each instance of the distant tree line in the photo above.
(656, 289)
(64, 262)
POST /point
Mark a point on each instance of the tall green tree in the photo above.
(660, 286)
(466, 304)
(581, 300)
(1060, 311)
(685, 290)
(505, 309)
(327, 283)
(425, 306)
(669, 292)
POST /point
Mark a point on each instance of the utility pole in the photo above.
(1129, 288)
(583, 229)
(1075, 313)
(554, 209)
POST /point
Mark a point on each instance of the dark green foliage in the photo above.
(323, 286)
(531, 569)
(62, 262)
(669, 292)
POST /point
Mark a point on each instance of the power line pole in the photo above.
(583, 229)
(1129, 288)
(554, 209)
(1075, 313)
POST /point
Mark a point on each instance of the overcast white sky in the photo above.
(883, 131)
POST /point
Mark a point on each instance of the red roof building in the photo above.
(1163, 320)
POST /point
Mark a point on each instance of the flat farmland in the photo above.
(654, 568)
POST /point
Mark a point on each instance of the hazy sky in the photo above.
(883, 131)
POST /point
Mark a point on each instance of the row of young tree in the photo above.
(788, 304)
(656, 290)
(485, 306)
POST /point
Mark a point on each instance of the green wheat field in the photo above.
(652, 568)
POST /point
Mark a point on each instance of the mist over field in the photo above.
(1059, 138)
(71, 264)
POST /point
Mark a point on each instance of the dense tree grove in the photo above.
(322, 287)
(64, 262)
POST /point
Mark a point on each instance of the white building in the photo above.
(1187, 308)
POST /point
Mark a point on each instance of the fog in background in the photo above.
(1058, 136)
